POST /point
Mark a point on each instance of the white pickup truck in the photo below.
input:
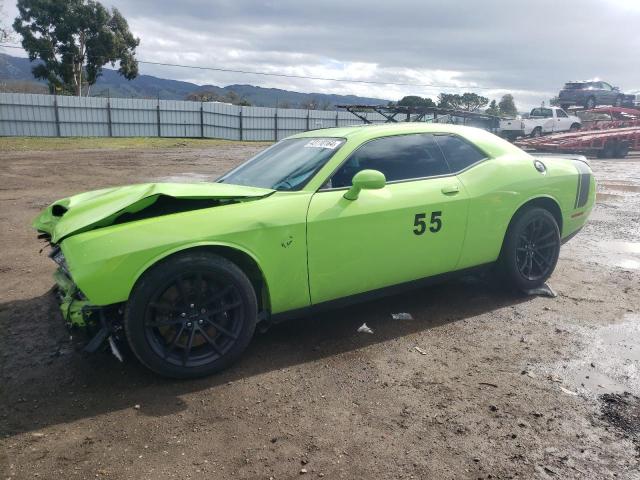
(541, 120)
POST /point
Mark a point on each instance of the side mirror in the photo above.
(365, 180)
(617, 89)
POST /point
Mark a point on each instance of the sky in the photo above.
(491, 47)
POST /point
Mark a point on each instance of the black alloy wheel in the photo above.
(194, 319)
(530, 249)
(537, 249)
(191, 315)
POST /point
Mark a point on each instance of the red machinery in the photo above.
(609, 117)
(607, 132)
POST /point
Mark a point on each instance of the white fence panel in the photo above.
(64, 116)
(133, 117)
(23, 114)
(221, 121)
(83, 117)
(259, 123)
(179, 119)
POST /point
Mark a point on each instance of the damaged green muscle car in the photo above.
(185, 272)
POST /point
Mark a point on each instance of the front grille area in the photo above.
(57, 256)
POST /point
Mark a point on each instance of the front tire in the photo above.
(191, 315)
(530, 250)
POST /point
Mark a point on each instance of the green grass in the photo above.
(20, 144)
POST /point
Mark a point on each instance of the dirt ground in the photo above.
(507, 387)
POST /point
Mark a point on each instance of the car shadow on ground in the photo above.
(45, 381)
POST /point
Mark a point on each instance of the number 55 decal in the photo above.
(435, 224)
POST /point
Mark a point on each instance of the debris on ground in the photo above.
(364, 328)
(402, 316)
(543, 291)
(568, 392)
(623, 412)
(420, 350)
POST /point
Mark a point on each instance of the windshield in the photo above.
(287, 165)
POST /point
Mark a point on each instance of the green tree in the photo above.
(467, 101)
(472, 101)
(507, 106)
(493, 108)
(74, 39)
(416, 101)
(451, 101)
(209, 96)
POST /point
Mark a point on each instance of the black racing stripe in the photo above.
(583, 192)
(584, 183)
(575, 204)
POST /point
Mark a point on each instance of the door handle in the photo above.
(450, 190)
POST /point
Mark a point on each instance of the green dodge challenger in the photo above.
(185, 272)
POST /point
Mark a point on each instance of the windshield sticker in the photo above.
(329, 143)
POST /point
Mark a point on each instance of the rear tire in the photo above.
(191, 315)
(590, 103)
(608, 150)
(537, 132)
(530, 249)
(618, 102)
(622, 149)
(575, 127)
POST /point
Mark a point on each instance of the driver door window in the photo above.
(399, 158)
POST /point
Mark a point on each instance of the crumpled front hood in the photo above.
(99, 208)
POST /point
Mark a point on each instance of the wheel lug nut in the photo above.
(202, 310)
(200, 321)
(183, 314)
(192, 305)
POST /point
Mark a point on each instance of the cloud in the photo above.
(527, 48)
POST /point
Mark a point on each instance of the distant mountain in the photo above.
(17, 70)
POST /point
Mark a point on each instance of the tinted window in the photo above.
(542, 112)
(399, 158)
(561, 113)
(458, 152)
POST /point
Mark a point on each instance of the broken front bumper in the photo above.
(76, 311)
(99, 324)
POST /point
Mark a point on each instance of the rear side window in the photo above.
(561, 113)
(459, 153)
(542, 112)
(401, 157)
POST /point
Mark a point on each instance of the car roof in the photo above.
(384, 129)
(490, 143)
